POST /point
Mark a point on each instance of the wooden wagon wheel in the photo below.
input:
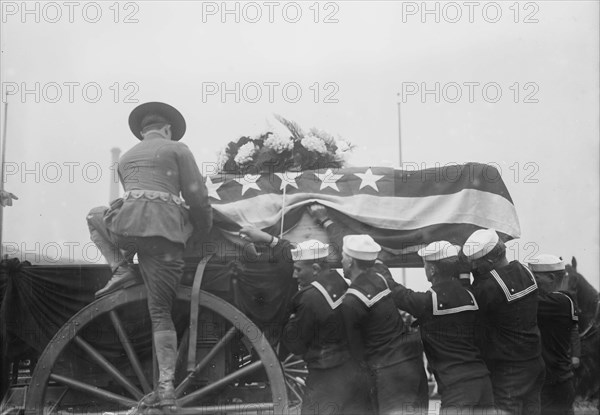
(128, 386)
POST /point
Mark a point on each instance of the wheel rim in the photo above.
(133, 385)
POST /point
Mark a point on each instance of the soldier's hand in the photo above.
(317, 211)
(252, 234)
(575, 362)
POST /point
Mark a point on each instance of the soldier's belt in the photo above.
(153, 195)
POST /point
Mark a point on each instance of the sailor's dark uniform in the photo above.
(556, 319)
(446, 315)
(378, 336)
(509, 336)
(316, 331)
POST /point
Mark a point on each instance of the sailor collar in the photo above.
(333, 288)
(369, 289)
(514, 288)
(451, 299)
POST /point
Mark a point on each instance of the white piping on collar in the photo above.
(512, 297)
(574, 316)
(368, 302)
(333, 304)
(454, 310)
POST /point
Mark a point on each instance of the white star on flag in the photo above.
(368, 179)
(288, 178)
(248, 182)
(329, 179)
(212, 188)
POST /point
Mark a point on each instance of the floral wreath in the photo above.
(273, 152)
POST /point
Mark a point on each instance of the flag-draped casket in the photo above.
(401, 209)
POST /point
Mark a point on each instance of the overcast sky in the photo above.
(516, 85)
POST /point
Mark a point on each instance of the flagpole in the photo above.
(400, 164)
(399, 135)
(2, 169)
(282, 210)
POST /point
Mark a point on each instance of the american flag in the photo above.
(400, 209)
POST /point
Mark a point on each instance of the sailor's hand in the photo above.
(252, 234)
(318, 211)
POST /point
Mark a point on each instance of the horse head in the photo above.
(587, 376)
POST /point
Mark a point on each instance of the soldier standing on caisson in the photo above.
(153, 221)
(509, 338)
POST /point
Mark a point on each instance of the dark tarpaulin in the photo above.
(37, 300)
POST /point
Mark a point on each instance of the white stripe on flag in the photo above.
(470, 206)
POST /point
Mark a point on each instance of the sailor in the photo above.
(509, 338)
(153, 221)
(315, 329)
(376, 333)
(446, 315)
(557, 320)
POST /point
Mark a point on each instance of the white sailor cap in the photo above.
(546, 263)
(438, 250)
(361, 247)
(480, 243)
(310, 250)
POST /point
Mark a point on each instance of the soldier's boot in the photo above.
(165, 343)
(119, 264)
(123, 276)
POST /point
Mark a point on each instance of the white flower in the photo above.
(222, 158)
(279, 144)
(324, 135)
(312, 143)
(245, 153)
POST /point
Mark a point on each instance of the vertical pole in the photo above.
(282, 211)
(399, 135)
(400, 164)
(2, 169)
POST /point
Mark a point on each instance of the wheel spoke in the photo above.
(293, 389)
(294, 363)
(205, 361)
(287, 359)
(135, 362)
(108, 367)
(221, 382)
(297, 380)
(93, 390)
(303, 372)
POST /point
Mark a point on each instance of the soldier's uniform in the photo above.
(316, 331)
(152, 220)
(377, 334)
(509, 337)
